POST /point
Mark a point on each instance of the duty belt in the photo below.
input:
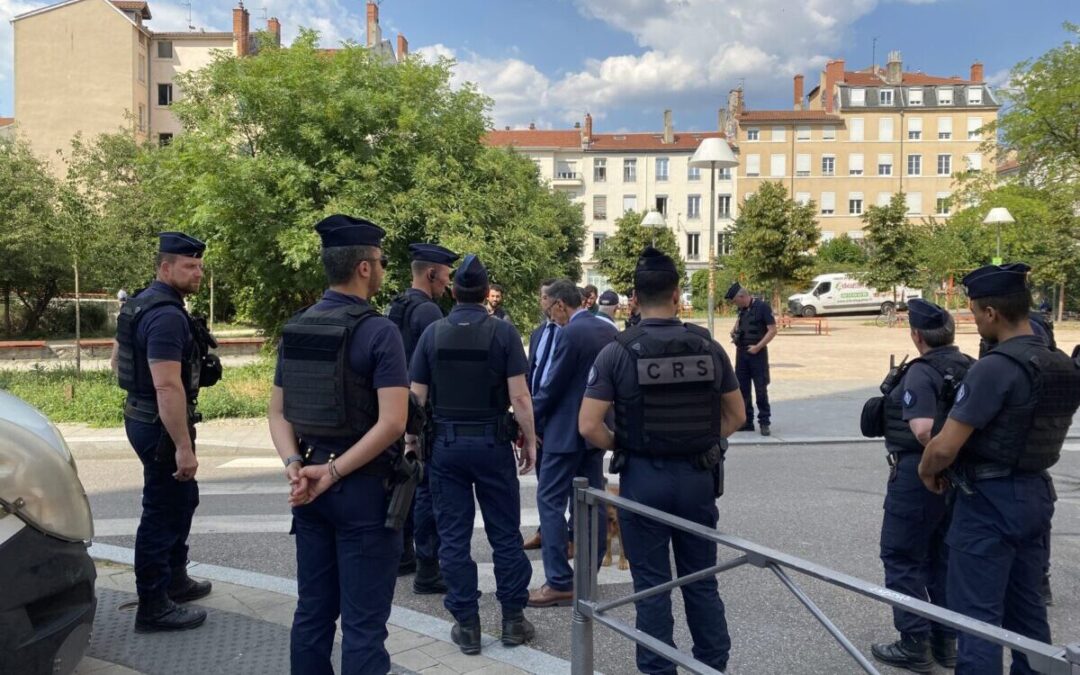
(451, 429)
(380, 466)
(146, 410)
(987, 471)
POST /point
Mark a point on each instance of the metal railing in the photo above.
(590, 504)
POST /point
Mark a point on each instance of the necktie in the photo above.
(545, 353)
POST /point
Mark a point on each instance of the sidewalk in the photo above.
(247, 631)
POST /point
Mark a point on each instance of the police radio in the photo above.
(895, 373)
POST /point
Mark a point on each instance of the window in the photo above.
(598, 240)
(164, 94)
(885, 97)
(566, 170)
(855, 203)
(753, 165)
(662, 168)
(914, 202)
(885, 129)
(914, 165)
(629, 203)
(827, 235)
(884, 165)
(855, 132)
(164, 139)
(858, 97)
(974, 125)
(828, 133)
(828, 203)
(693, 245)
(142, 117)
(974, 95)
(802, 198)
(828, 165)
(802, 165)
(914, 129)
(945, 96)
(974, 161)
(944, 128)
(724, 174)
(914, 97)
(725, 242)
(599, 170)
(855, 164)
(883, 198)
(723, 206)
(661, 204)
(802, 133)
(599, 207)
(693, 207)
(629, 170)
(942, 204)
(164, 49)
(753, 134)
(944, 165)
(693, 173)
(779, 133)
(778, 166)
(857, 236)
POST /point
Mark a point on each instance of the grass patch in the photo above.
(96, 400)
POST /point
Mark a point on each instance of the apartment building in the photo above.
(861, 136)
(612, 173)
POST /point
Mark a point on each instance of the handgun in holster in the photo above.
(507, 428)
(713, 460)
(406, 473)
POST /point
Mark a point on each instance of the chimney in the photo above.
(834, 74)
(798, 92)
(586, 132)
(724, 122)
(273, 26)
(532, 126)
(374, 37)
(241, 34)
(577, 125)
(669, 132)
(894, 69)
(735, 103)
(977, 72)
(402, 47)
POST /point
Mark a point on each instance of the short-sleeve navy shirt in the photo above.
(613, 375)
(164, 332)
(918, 393)
(423, 315)
(993, 383)
(506, 356)
(761, 309)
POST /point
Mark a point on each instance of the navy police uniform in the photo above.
(659, 369)
(465, 359)
(1020, 399)
(346, 559)
(752, 369)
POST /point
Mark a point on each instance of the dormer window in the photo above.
(945, 96)
(858, 97)
(915, 97)
(974, 95)
(885, 97)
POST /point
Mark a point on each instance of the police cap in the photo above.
(996, 280)
(178, 243)
(339, 230)
(925, 315)
(732, 291)
(471, 273)
(432, 253)
(654, 260)
(608, 299)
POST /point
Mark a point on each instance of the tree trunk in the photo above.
(78, 324)
(7, 310)
(1061, 303)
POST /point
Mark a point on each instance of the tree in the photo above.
(891, 245)
(840, 254)
(619, 256)
(276, 141)
(773, 237)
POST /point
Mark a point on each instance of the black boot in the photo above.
(428, 579)
(407, 565)
(1045, 591)
(516, 629)
(912, 653)
(466, 635)
(943, 648)
(162, 614)
(183, 588)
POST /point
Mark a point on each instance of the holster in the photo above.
(507, 428)
(713, 460)
(618, 461)
(407, 473)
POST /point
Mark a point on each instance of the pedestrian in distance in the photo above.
(754, 330)
(607, 305)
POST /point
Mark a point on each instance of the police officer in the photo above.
(913, 529)
(607, 305)
(633, 311)
(754, 330)
(412, 312)
(337, 411)
(1005, 430)
(659, 368)
(472, 366)
(158, 359)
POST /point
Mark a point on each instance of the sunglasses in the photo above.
(382, 260)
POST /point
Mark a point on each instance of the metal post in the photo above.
(1072, 655)
(999, 241)
(712, 247)
(581, 630)
(78, 323)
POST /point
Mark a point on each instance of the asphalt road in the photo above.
(822, 503)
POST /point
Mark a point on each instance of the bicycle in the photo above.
(887, 318)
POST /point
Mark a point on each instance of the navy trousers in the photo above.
(424, 532)
(681, 489)
(913, 548)
(753, 369)
(346, 565)
(997, 544)
(554, 491)
(461, 466)
(168, 506)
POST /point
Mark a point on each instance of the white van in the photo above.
(831, 293)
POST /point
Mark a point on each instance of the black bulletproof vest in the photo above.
(401, 313)
(324, 397)
(952, 366)
(750, 329)
(676, 408)
(1029, 437)
(132, 367)
(464, 385)
(1036, 319)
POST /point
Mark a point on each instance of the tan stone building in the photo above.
(861, 136)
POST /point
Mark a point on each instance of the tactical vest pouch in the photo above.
(400, 314)
(313, 374)
(872, 420)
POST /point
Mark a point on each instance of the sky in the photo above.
(548, 62)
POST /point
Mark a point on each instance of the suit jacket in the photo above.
(558, 402)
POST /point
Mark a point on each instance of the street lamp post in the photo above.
(998, 216)
(653, 220)
(713, 153)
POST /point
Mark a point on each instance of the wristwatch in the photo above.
(293, 458)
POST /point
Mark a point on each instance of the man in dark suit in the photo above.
(566, 454)
(541, 347)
